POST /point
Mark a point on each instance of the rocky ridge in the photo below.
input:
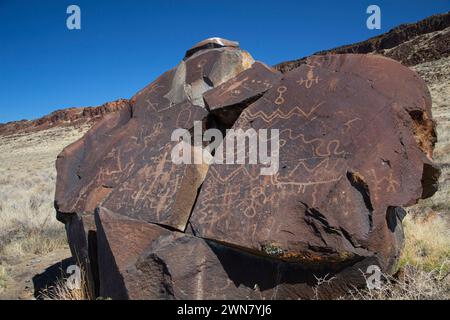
(71, 117)
(410, 44)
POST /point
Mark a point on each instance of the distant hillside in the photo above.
(71, 117)
(411, 44)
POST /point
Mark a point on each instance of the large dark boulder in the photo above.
(355, 135)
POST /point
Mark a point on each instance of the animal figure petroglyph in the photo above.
(310, 78)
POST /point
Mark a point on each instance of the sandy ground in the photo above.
(33, 273)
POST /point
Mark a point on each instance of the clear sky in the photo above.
(124, 45)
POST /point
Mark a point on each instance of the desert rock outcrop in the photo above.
(356, 137)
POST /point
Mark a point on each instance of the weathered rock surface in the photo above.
(82, 238)
(356, 139)
(188, 267)
(227, 101)
(330, 113)
(138, 260)
(211, 43)
(124, 163)
(120, 242)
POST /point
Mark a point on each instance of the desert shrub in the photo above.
(411, 283)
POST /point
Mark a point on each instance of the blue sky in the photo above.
(124, 45)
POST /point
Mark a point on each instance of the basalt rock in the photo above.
(227, 101)
(120, 243)
(355, 135)
(347, 153)
(189, 267)
(82, 237)
(124, 163)
(139, 260)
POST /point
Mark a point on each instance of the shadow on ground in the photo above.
(45, 281)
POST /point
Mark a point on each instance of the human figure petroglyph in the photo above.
(310, 78)
(392, 184)
(332, 85)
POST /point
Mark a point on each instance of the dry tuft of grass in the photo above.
(427, 242)
(424, 266)
(3, 278)
(63, 291)
(411, 283)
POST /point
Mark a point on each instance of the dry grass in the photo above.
(27, 186)
(3, 278)
(62, 291)
(424, 265)
(427, 242)
(411, 284)
(27, 218)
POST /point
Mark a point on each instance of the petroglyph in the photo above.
(390, 184)
(337, 119)
(310, 78)
(282, 114)
(281, 90)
